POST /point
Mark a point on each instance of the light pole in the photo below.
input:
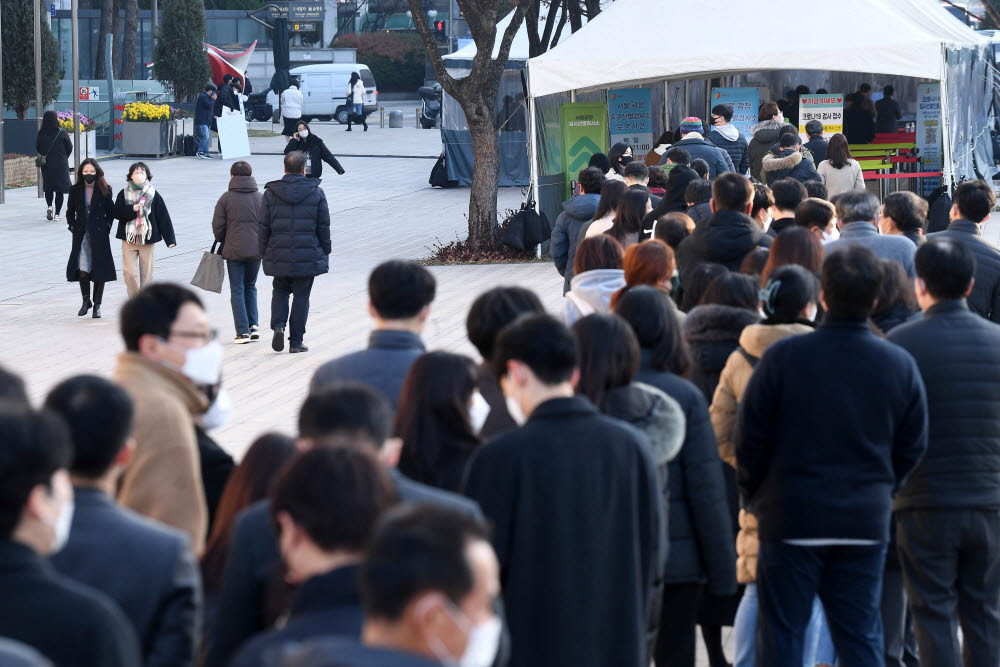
(154, 25)
(74, 30)
(38, 82)
(3, 177)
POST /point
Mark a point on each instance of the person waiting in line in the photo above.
(857, 213)
(859, 123)
(795, 246)
(695, 144)
(637, 174)
(755, 261)
(887, 110)
(356, 101)
(657, 181)
(145, 567)
(701, 168)
(763, 212)
(598, 275)
(726, 136)
(698, 196)
(648, 263)
(632, 209)
(840, 172)
(819, 217)
(620, 156)
(897, 302)
(604, 216)
(600, 161)
(53, 144)
(765, 134)
(316, 152)
(438, 419)
(660, 146)
(904, 213)
(816, 144)
(788, 194)
(672, 228)
(817, 189)
(789, 162)
(143, 221)
(577, 211)
(236, 225)
(90, 214)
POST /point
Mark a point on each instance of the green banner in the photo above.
(584, 132)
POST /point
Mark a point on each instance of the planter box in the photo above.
(150, 139)
(19, 136)
(182, 128)
(18, 170)
(89, 141)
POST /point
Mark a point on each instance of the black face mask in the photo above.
(90, 178)
(625, 159)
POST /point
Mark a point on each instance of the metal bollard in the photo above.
(416, 117)
(381, 113)
(395, 119)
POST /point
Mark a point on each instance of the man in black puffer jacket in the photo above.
(948, 512)
(295, 245)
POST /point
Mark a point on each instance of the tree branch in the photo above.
(549, 24)
(447, 81)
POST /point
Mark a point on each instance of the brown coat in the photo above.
(163, 479)
(755, 339)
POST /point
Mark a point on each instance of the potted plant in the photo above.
(88, 134)
(147, 129)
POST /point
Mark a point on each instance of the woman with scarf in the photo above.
(143, 221)
(89, 214)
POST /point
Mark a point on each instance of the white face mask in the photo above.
(815, 311)
(60, 527)
(516, 413)
(203, 365)
(479, 411)
(832, 236)
(218, 413)
(303, 133)
(483, 642)
(139, 177)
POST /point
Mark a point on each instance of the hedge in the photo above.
(396, 59)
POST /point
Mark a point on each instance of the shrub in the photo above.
(396, 59)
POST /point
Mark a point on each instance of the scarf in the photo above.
(139, 230)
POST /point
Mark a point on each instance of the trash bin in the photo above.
(396, 118)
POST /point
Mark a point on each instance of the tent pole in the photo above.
(532, 146)
(666, 107)
(947, 167)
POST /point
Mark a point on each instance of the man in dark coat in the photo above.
(725, 136)
(295, 245)
(859, 124)
(973, 202)
(145, 567)
(869, 432)
(347, 412)
(729, 234)
(888, 112)
(694, 143)
(67, 622)
(788, 194)
(948, 512)
(400, 294)
(789, 162)
(575, 501)
(817, 145)
(577, 211)
(203, 117)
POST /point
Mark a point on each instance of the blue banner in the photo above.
(929, 131)
(630, 119)
(744, 101)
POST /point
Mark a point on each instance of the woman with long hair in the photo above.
(619, 155)
(648, 263)
(317, 153)
(356, 101)
(90, 214)
(438, 419)
(896, 302)
(795, 245)
(632, 209)
(840, 172)
(53, 144)
(611, 195)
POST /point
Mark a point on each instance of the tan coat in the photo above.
(163, 479)
(755, 339)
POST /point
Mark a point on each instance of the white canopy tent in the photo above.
(904, 38)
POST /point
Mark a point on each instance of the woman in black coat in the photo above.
(143, 221)
(90, 214)
(53, 142)
(316, 151)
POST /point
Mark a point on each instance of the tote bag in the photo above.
(211, 271)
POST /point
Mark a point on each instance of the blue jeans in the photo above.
(359, 110)
(243, 293)
(818, 645)
(848, 581)
(203, 137)
(296, 289)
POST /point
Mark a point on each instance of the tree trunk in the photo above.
(116, 33)
(483, 229)
(131, 34)
(100, 72)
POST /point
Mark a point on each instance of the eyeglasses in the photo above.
(206, 336)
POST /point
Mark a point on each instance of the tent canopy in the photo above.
(462, 59)
(903, 37)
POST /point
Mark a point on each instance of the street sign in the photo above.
(309, 10)
(277, 10)
(52, 9)
(303, 27)
(90, 94)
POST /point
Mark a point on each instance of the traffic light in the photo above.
(439, 30)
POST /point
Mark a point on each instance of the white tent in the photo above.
(461, 60)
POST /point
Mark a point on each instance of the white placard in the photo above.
(233, 136)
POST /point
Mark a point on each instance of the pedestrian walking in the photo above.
(203, 118)
(90, 214)
(53, 144)
(291, 110)
(143, 221)
(236, 225)
(316, 152)
(356, 101)
(294, 243)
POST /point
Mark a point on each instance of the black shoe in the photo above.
(348, 129)
(85, 308)
(278, 342)
(366, 127)
(294, 349)
(97, 311)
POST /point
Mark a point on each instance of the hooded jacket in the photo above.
(725, 238)
(729, 139)
(718, 160)
(765, 133)
(576, 212)
(236, 222)
(789, 163)
(203, 110)
(713, 332)
(590, 292)
(295, 228)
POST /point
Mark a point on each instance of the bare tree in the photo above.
(107, 7)
(477, 95)
(131, 33)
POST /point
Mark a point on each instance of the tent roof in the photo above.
(518, 48)
(903, 37)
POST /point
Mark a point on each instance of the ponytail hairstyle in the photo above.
(788, 290)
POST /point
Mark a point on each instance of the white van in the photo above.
(324, 89)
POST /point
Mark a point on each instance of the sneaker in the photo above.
(254, 333)
(242, 339)
(278, 341)
(48, 214)
(295, 349)
(203, 156)
(58, 217)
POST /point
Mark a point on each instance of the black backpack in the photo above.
(527, 228)
(439, 175)
(190, 145)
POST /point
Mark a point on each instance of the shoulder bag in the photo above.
(40, 159)
(211, 271)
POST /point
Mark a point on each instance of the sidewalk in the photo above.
(406, 141)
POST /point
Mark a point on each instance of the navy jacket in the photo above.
(382, 366)
(294, 236)
(817, 146)
(958, 354)
(738, 149)
(343, 652)
(144, 566)
(788, 164)
(718, 160)
(814, 469)
(203, 110)
(725, 238)
(67, 622)
(888, 115)
(576, 212)
(985, 296)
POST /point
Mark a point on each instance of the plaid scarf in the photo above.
(140, 229)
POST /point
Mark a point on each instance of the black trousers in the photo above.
(675, 644)
(85, 287)
(59, 200)
(952, 573)
(297, 290)
(897, 622)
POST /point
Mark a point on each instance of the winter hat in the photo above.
(691, 124)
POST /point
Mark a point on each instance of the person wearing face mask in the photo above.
(619, 156)
(70, 624)
(819, 217)
(90, 214)
(143, 221)
(325, 504)
(439, 416)
(306, 141)
(577, 507)
(429, 586)
(693, 141)
(171, 351)
(858, 211)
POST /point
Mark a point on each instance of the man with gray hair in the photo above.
(857, 213)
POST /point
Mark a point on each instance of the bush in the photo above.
(396, 59)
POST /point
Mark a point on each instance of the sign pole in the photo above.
(74, 31)
(38, 82)
(3, 177)
(154, 24)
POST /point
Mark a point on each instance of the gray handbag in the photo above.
(211, 271)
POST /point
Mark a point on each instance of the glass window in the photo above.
(221, 31)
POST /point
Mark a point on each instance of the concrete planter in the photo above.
(18, 170)
(89, 141)
(147, 139)
(181, 128)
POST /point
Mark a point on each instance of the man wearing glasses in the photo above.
(172, 369)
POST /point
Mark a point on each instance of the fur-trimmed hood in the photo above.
(651, 411)
(786, 160)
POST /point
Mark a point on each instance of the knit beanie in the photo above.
(691, 124)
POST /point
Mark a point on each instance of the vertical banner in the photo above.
(827, 108)
(630, 119)
(584, 132)
(745, 103)
(929, 131)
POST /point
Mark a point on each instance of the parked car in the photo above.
(257, 107)
(324, 90)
